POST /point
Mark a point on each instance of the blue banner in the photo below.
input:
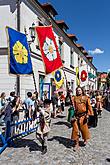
(19, 55)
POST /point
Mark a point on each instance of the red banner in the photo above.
(49, 48)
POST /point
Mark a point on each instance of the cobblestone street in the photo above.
(60, 151)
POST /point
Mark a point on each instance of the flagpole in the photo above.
(18, 29)
(35, 86)
(67, 87)
(34, 81)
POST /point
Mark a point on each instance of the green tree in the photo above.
(108, 80)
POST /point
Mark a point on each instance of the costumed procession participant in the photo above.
(44, 124)
(68, 97)
(61, 102)
(93, 120)
(83, 108)
(71, 111)
(54, 99)
(99, 102)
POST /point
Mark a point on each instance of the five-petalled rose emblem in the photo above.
(49, 49)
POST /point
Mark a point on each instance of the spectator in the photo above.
(45, 95)
(28, 105)
(16, 105)
(2, 107)
(12, 95)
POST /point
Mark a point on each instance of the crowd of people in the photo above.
(86, 106)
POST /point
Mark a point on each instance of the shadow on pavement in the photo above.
(108, 159)
(60, 116)
(107, 106)
(33, 146)
(81, 144)
(68, 143)
(63, 123)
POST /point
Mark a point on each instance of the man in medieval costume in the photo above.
(83, 109)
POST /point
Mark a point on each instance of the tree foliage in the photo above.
(108, 80)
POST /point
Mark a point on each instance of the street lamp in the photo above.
(32, 32)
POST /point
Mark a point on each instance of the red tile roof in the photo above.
(62, 22)
(85, 52)
(89, 57)
(72, 36)
(48, 7)
(80, 46)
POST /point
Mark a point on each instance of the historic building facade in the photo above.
(23, 16)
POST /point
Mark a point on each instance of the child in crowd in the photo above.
(44, 124)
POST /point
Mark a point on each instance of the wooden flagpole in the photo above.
(33, 75)
(34, 81)
(67, 87)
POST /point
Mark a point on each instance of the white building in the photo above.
(22, 17)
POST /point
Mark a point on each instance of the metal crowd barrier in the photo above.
(15, 130)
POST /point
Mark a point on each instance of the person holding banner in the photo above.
(83, 109)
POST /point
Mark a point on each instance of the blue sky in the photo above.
(89, 20)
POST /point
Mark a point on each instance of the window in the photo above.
(61, 49)
(72, 85)
(71, 56)
(41, 81)
(81, 63)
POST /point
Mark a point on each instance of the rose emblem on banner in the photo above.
(83, 75)
(20, 53)
(49, 49)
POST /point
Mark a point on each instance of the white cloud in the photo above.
(108, 70)
(96, 51)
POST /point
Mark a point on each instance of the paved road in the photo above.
(60, 151)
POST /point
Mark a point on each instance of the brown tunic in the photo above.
(82, 108)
